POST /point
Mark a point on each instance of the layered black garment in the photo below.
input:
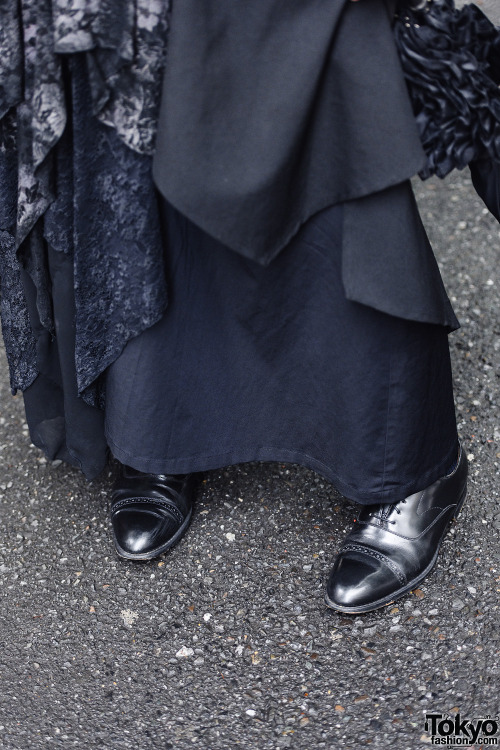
(275, 110)
(275, 364)
(314, 331)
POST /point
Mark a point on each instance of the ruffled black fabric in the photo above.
(451, 61)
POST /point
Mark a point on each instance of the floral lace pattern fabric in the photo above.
(78, 113)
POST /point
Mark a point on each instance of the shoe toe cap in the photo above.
(359, 583)
(141, 531)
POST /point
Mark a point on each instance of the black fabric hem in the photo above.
(201, 463)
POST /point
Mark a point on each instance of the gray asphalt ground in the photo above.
(225, 641)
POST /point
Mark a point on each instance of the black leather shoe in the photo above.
(391, 548)
(150, 512)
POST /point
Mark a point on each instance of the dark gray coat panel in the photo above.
(274, 110)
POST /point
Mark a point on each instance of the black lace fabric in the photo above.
(106, 215)
(93, 177)
(79, 93)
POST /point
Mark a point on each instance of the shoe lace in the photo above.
(382, 511)
(398, 509)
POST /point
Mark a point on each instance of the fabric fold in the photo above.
(387, 260)
(298, 106)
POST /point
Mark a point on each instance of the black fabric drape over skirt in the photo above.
(253, 363)
(256, 363)
(200, 357)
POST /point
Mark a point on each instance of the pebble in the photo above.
(128, 616)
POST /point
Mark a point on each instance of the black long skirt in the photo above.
(275, 364)
(248, 362)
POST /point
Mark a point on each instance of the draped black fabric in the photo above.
(387, 260)
(272, 111)
(61, 423)
(79, 197)
(117, 252)
(486, 180)
(82, 180)
(273, 363)
(344, 384)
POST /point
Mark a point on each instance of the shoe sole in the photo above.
(409, 586)
(158, 550)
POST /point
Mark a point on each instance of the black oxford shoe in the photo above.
(150, 512)
(392, 548)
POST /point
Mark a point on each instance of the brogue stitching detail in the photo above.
(378, 556)
(170, 507)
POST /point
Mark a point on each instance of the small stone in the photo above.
(184, 652)
(340, 708)
(207, 616)
(128, 616)
(230, 536)
(250, 712)
(458, 604)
